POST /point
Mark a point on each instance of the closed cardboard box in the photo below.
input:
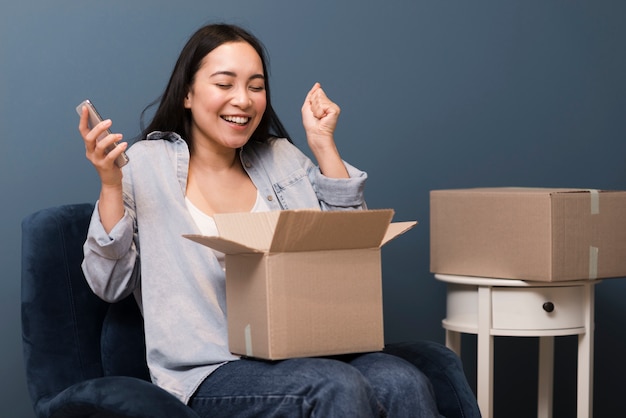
(304, 282)
(535, 234)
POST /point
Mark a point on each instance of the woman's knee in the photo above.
(336, 378)
(402, 389)
(392, 375)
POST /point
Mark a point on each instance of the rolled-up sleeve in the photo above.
(338, 194)
(110, 260)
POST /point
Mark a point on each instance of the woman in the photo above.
(216, 145)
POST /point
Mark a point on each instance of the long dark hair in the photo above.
(171, 115)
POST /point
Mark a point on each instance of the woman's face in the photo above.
(227, 97)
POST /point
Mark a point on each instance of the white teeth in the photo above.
(239, 120)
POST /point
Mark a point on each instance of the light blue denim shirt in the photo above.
(179, 284)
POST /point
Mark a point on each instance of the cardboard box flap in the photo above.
(397, 228)
(222, 245)
(253, 230)
(307, 230)
(240, 233)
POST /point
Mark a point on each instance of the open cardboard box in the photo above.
(304, 282)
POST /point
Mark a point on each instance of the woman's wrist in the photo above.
(110, 205)
(328, 158)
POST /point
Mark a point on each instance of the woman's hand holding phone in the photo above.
(102, 147)
(105, 152)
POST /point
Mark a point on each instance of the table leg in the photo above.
(484, 387)
(546, 377)
(453, 341)
(585, 357)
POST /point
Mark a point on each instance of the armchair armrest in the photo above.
(116, 397)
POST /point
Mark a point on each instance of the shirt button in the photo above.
(270, 198)
(247, 164)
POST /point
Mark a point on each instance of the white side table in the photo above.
(491, 307)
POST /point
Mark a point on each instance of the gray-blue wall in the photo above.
(434, 94)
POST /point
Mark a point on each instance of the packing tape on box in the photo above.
(595, 201)
(593, 262)
(593, 251)
(247, 334)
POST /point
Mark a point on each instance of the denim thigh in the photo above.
(303, 387)
(361, 385)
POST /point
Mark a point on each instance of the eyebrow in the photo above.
(232, 74)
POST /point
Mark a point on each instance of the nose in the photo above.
(241, 98)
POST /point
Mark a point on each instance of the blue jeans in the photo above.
(384, 384)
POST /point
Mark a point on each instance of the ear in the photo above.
(187, 102)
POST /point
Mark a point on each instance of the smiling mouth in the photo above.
(237, 120)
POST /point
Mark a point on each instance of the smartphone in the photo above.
(94, 119)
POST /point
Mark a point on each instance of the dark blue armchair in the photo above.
(84, 357)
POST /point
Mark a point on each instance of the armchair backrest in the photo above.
(69, 334)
